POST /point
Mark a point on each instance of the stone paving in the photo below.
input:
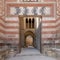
(30, 54)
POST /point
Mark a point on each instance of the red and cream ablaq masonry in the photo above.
(46, 10)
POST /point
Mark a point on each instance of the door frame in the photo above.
(19, 45)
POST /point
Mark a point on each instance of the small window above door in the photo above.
(29, 22)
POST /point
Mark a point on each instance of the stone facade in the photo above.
(2, 22)
(13, 8)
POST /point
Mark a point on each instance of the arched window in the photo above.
(29, 22)
(26, 23)
(33, 23)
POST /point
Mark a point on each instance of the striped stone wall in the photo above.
(48, 30)
(9, 24)
(1, 7)
(48, 25)
(2, 22)
(58, 21)
(12, 29)
(2, 29)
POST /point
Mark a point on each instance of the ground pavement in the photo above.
(30, 54)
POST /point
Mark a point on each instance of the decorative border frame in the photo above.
(30, 1)
(51, 5)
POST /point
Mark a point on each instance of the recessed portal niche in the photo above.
(30, 31)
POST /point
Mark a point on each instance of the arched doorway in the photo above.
(29, 39)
